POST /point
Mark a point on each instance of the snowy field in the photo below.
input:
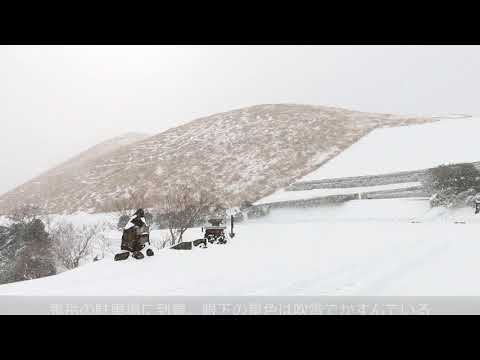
(364, 247)
(361, 247)
(414, 147)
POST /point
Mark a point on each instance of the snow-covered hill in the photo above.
(246, 153)
(450, 140)
(65, 177)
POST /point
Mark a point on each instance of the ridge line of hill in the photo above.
(245, 154)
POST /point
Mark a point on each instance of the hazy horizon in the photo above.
(57, 101)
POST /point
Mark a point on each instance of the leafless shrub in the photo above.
(104, 246)
(163, 242)
(74, 244)
(127, 206)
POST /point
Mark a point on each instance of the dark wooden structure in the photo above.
(215, 232)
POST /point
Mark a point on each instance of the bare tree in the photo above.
(162, 242)
(183, 207)
(104, 245)
(126, 206)
(73, 244)
(135, 199)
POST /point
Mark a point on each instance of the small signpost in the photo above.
(232, 234)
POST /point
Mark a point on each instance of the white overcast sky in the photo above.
(56, 101)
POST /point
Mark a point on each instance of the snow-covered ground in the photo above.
(364, 247)
(361, 247)
(414, 147)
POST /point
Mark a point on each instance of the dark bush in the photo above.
(451, 185)
(4, 235)
(35, 258)
(456, 177)
(25, 248)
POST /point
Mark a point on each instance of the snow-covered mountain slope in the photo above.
(98, 151)
(415, 147)
(385, 153)
(367, 247)
(246, 154)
